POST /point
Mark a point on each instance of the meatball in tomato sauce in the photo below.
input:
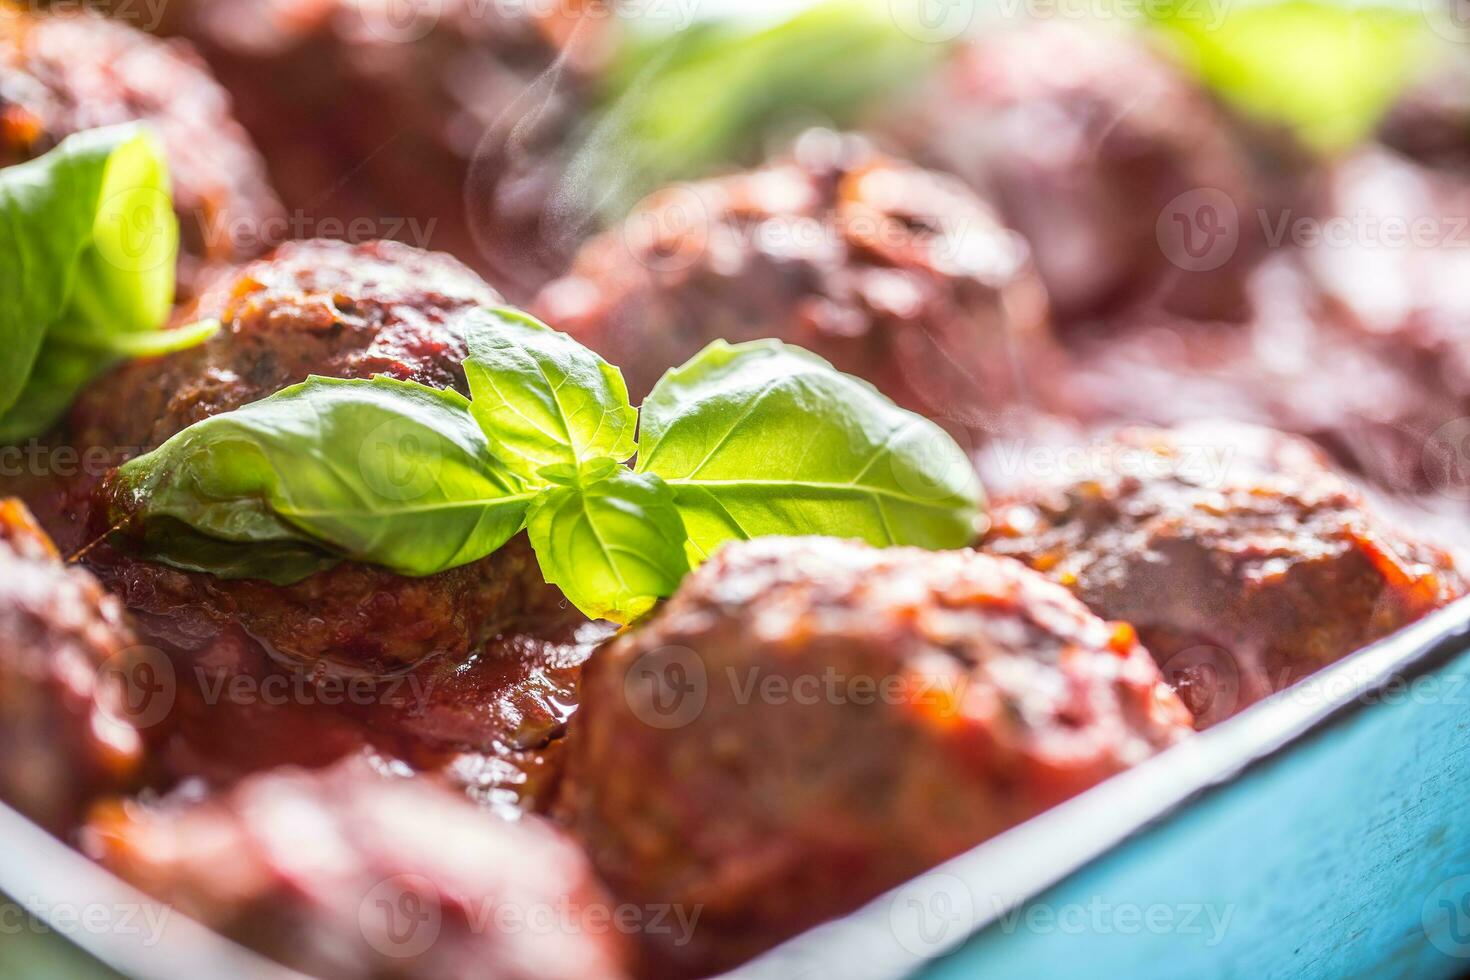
(345, 873)
(443, 125)
(337, 310)
(1242, 559)
(66, 733)
(1121, 173)
(894, 273)
(62, 73)
(810, 721)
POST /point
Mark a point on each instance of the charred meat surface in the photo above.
(893, 273)
(1086, 139)
(65, 729)
(62, 73)
(314, 307)
(1242, 559)
(337, 310)
(348, 874)
(811, 721)
(439, 125)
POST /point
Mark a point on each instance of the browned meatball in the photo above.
(346, 874)
(315, 307)
(62, 73)
(65, 730)
(436, 124)
(1430, 122)
(1244, 562)
(1087, 138)
(893, 273)
(338, 310)
(811, 721)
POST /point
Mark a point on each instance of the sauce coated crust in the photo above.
(347, 874)
(441, 125)
(811, 721)
(470, 673)
(65, 734)
(1244, 562)
(62, 73)
(314, 307)
(1084, 137)
(895, 274)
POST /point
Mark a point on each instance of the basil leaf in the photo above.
(1303, 62)
(763, 438)
(384, 471)
(88, 244)
(614, 547)
(280, 562)
(542, 398)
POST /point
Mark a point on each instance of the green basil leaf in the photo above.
(763, 438)
(282, 561)
(384, 471)
(542, 398)
(1326, 68)
(88, 244)
(614, 547)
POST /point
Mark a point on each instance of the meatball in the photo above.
(347, 874)
(1244, 562)
(893, 273)
(1298, 364)
(314, 307)
(442, 125)
(65, 727)
(1430, 123)
(1119, 171)
(809, 722)
(338, 310)
(62, 73)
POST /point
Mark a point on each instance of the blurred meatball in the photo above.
(65, 733)
(1299, 364)
(1244, 562)
(893, 273)
(441, 124)
(62, 73)
(338, 310)
(345, 874)
(809, 722)
(1430, 123)
(1086, 139)
(1391, 262)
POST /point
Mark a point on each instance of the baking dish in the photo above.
(1319, 833)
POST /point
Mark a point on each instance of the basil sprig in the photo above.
(87, 246)
(745, 440)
